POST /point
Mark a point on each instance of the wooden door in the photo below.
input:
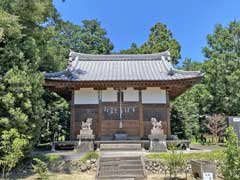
(110, 121)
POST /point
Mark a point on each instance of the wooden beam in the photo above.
(100, 88)
(139, 88)
(120, 88)
(175, 87)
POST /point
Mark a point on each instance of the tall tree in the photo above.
(160, 39)
(222, 68)
(132, 50)
(189, 65)
(89, 38)
(221, 82)
(22, 31)
(56, 120)
(187, 109)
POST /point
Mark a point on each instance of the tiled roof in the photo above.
(117, 67)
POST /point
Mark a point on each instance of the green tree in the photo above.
(222, 68)
(189, 65)
(187, 109)
(161, 39)
(132, 50)
(231, 162)
(53, 53)
(89, 38)
(21, 52)
(221, 82)
(33, 38)
(56, 124)
(21, 103)
(28, 18)
(12, 146)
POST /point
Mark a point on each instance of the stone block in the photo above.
(158, 143)
(199, 167)
(157, 131)
(84, 146)
(86, 131)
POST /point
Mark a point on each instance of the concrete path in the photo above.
(66, 155)
(206, 147)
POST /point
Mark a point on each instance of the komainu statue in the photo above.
(157, 125)
(157, 137)
(86, 125)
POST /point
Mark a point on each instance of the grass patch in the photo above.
(88, 156)
(49, 157)
(215, 155)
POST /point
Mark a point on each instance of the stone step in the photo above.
(126, 166)
(120, 147)
(132, 162)
(103, 159)
(122, 167)
(133, 176)
(124, 172)
(121, 178)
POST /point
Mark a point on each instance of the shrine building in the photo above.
(120, 92)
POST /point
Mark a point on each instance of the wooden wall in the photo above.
(136, 122)
(109, 127)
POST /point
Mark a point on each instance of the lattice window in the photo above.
(159, 113)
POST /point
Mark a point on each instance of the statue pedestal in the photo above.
(157, 132)
(85, 143)
(157, 142)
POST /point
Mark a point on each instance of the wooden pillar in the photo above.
(72, 122)
(168, 114)
(141, 117)
(99, 119)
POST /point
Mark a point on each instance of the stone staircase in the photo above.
(120, 165)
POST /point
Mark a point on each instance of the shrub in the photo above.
(12, 145)
(53, 157)
(88, 156)
(231, 162)
(48, 158)
(175, 161)
(40, 168)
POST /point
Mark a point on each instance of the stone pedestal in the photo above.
(85, 143)
(157, 132)
(157, 137)
(158, 142)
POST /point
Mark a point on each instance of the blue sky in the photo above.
(128, 21)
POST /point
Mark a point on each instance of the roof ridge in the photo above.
(126, 57)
